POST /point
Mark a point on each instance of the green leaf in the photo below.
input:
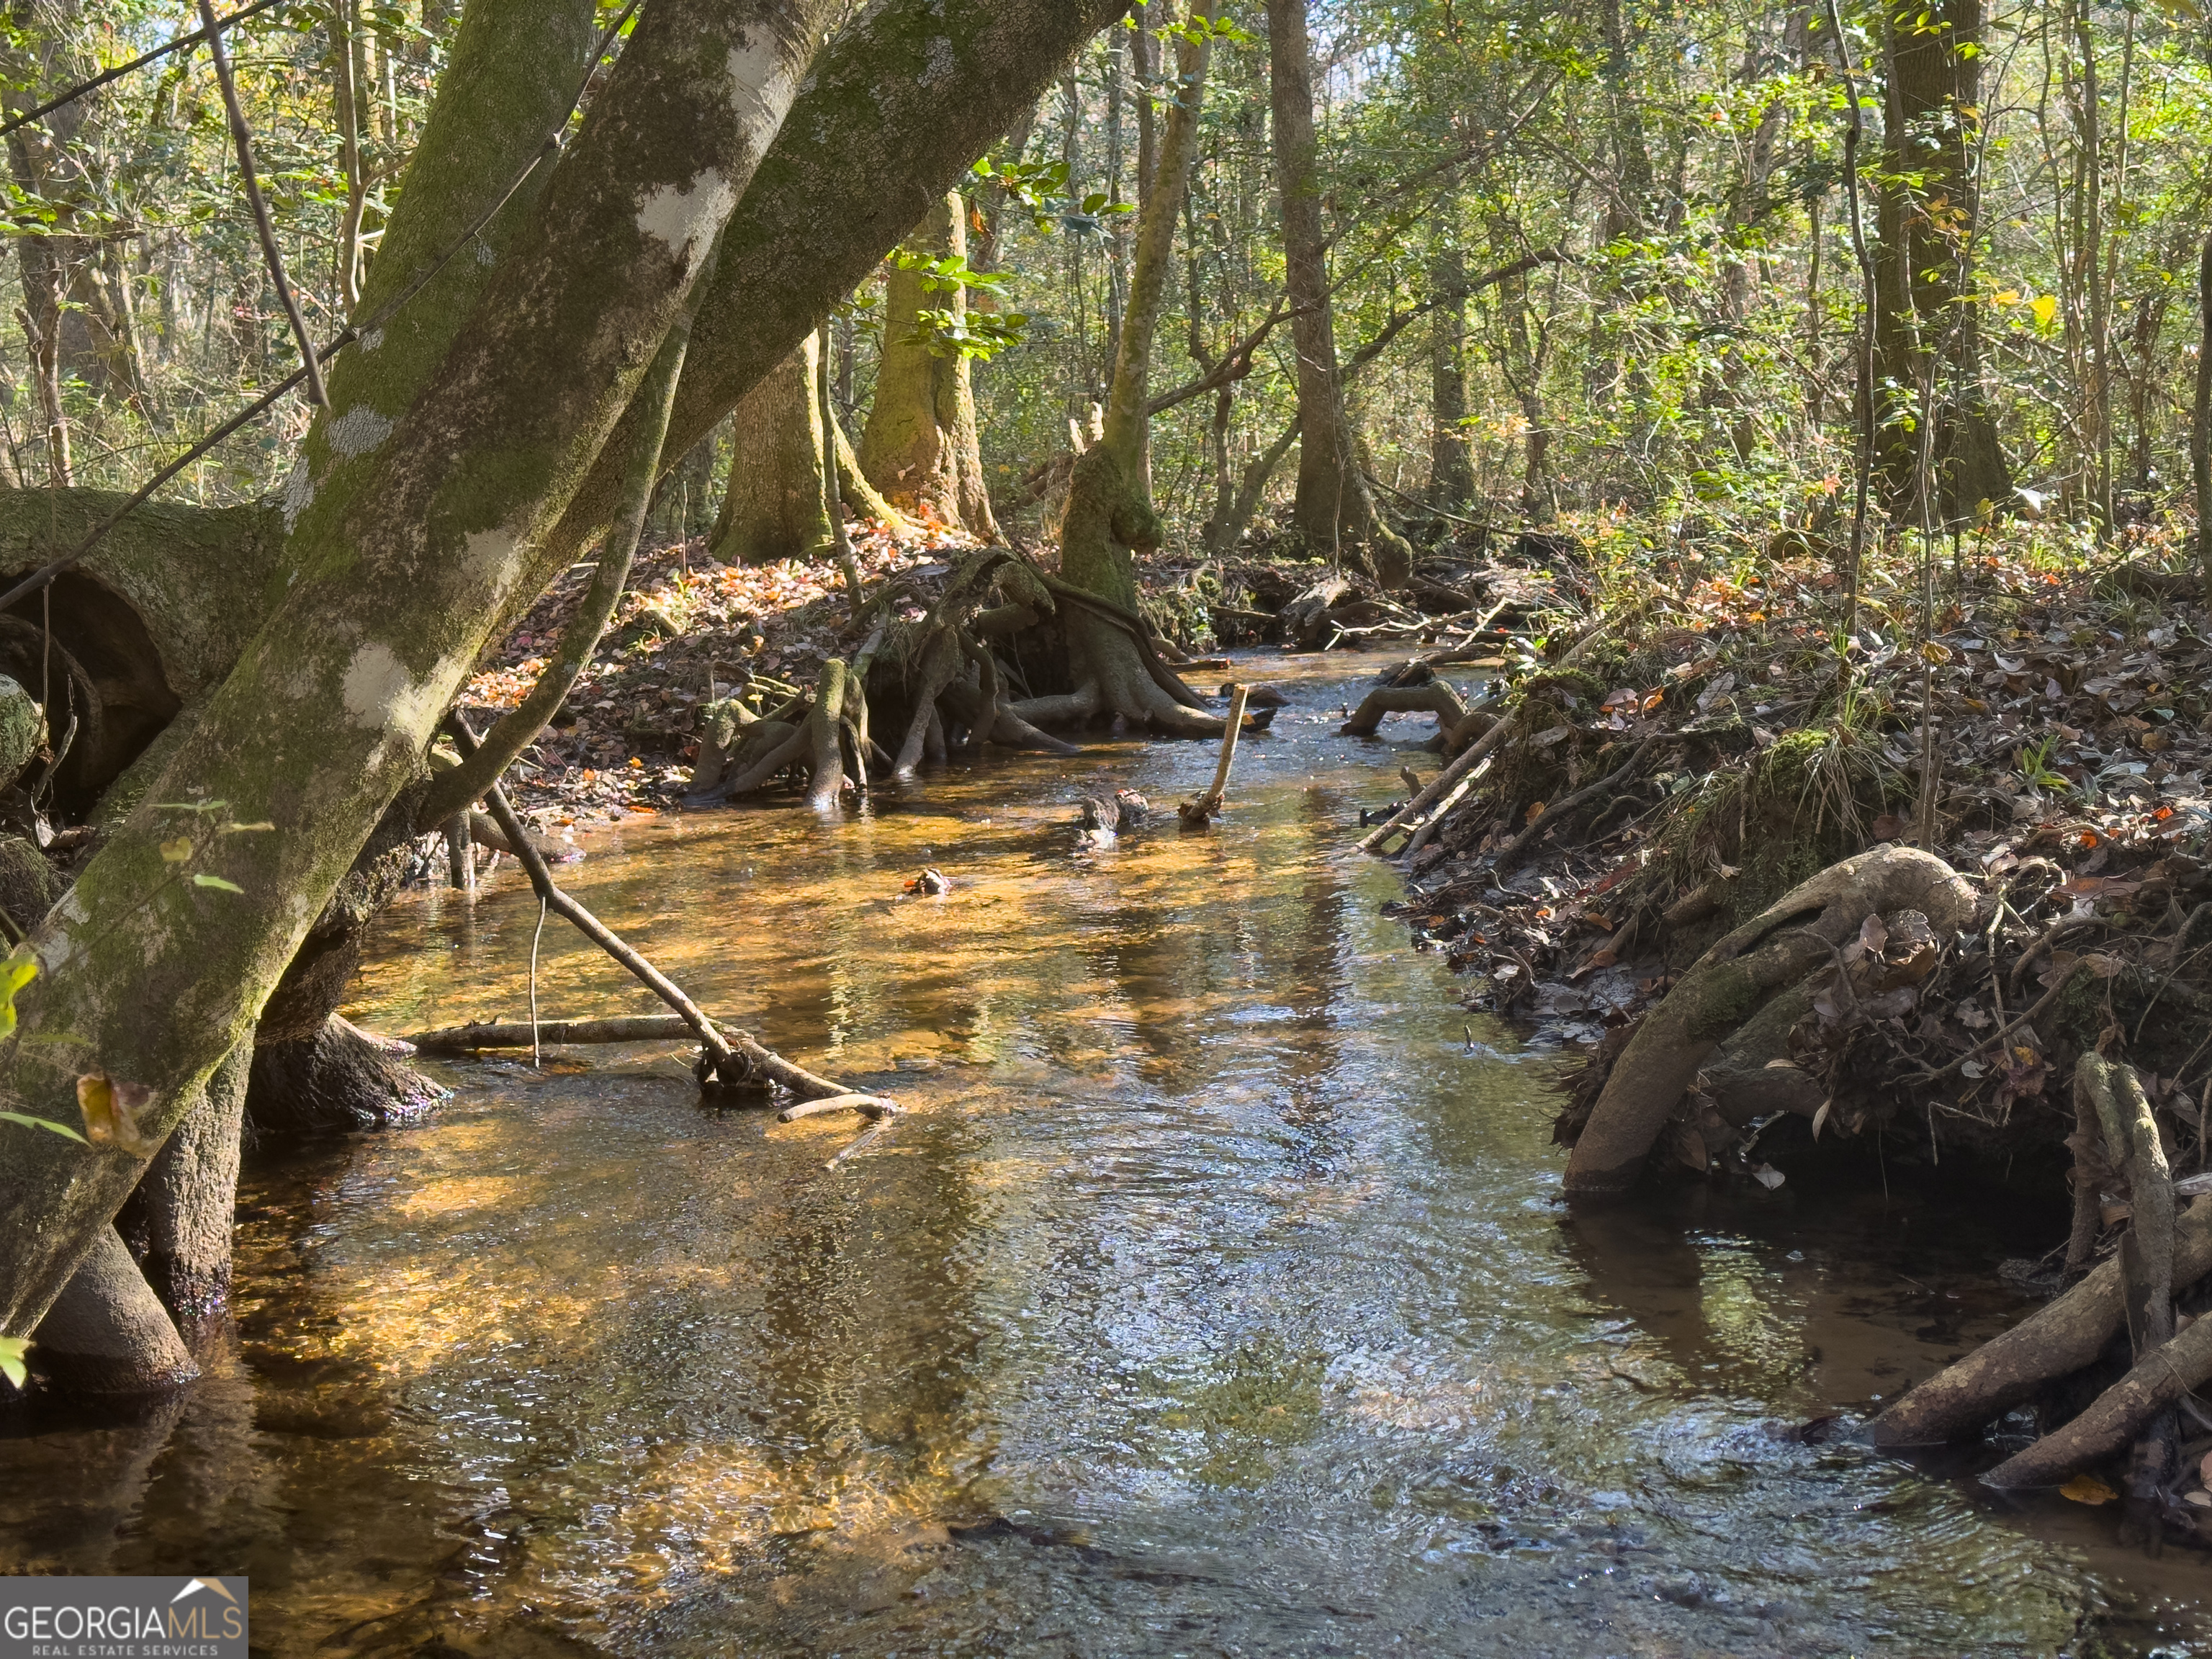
(46, 1123)
(205, 880)
(12, 1350)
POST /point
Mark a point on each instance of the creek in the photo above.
(1213, 1297)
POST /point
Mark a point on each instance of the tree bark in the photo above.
(1452, 467)
(920, 449)
(872, 143)
(179, 1220)
(1333, 510)
(1926, 315)
(1110, 512)
(395, 586)
(106, 1332)
(773, 508)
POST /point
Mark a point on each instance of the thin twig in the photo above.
(243, 140)
(45, 572)
(1987, 1043)
(139, 62)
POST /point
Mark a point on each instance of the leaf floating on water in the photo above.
(205, 880)
(2087, 1489)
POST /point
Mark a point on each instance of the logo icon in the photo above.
(123, 1617)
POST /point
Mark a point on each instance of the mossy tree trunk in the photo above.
(1926, 326)
(873, 142)
(774, 508)
(1109, 514)
(919, 448)
(394, 585)
(1333, 510)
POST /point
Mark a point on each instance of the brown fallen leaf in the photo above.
(2087, 1489)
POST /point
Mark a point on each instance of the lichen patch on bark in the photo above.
(683, 216)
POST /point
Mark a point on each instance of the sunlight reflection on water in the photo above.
(1211, 1300)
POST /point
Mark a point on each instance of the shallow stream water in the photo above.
(1212, 1299)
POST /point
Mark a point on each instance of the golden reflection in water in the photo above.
(1210, 1297)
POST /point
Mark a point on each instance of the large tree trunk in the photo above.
(774, 508)
(1451, 468)
(919, 448)
(396, 584)
(1109, 508)
(878, 143)
(1334, 511)
(1926, 314)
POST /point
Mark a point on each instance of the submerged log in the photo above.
(552, 1033)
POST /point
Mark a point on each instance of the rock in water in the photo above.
(21, 725)
(1129, 810)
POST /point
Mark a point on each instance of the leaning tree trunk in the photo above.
(1110, 512)
(774, 508)
(919, 448)
(873, 143)
(1333, 510)
(880, 141)
(397, 585)
(1926, 325)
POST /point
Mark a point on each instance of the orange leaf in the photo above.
(1535, 811)
(2087, 1489)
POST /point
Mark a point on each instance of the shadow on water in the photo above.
(1212, 1299)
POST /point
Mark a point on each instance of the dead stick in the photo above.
(1202, 809)
(554, 1033)
(868, 1106)
(733, 1058)
(243, 141)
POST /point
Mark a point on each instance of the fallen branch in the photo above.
(515, 1034)
(734, 1060)
(874, 1107)
(1197, 814)
(2055, 1340)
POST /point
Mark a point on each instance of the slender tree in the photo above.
(1926, 326)
(1333, 510)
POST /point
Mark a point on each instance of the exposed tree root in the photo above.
(1731, 982)
(1437, 697)
(107, 1333)
(337, 1080)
